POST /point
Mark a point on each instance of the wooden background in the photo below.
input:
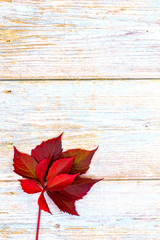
(79, 38)
(93, 40)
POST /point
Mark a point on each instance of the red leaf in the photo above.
(61, 170)
(60, 181)
(64, 204)
(48, 149)
(29, 186)
(82, 160)
(24, 164)
(41, 169)
(79, 188)
(59, 167)
(43, 204)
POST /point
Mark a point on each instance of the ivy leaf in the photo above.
(63, 203)
(51, 148)
(60, 181)
(30, 186)
(41, 169)
(24, 165)
(60, 166)
(50, 170)
(79, 188)
(43, 204)
(82, 160)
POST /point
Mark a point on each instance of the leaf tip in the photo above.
(97, 148)
(94, 150)
(15, 150)
(61, 134)
(77, 214)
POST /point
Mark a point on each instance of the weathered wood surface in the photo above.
(79, 39)
(112, 210)
(122, 117)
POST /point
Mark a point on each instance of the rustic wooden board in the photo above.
(122, 117)
(79, 39)
(125, 210)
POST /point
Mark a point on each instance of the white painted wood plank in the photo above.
(79, 39)
(122, 117)
(111, 210)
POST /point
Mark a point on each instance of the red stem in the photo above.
(38, 223)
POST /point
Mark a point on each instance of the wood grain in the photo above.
(125, 210)
(122, 117)
(79, 39)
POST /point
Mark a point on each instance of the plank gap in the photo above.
(77, 79)
(107, 180)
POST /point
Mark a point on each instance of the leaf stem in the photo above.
(38, 223)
